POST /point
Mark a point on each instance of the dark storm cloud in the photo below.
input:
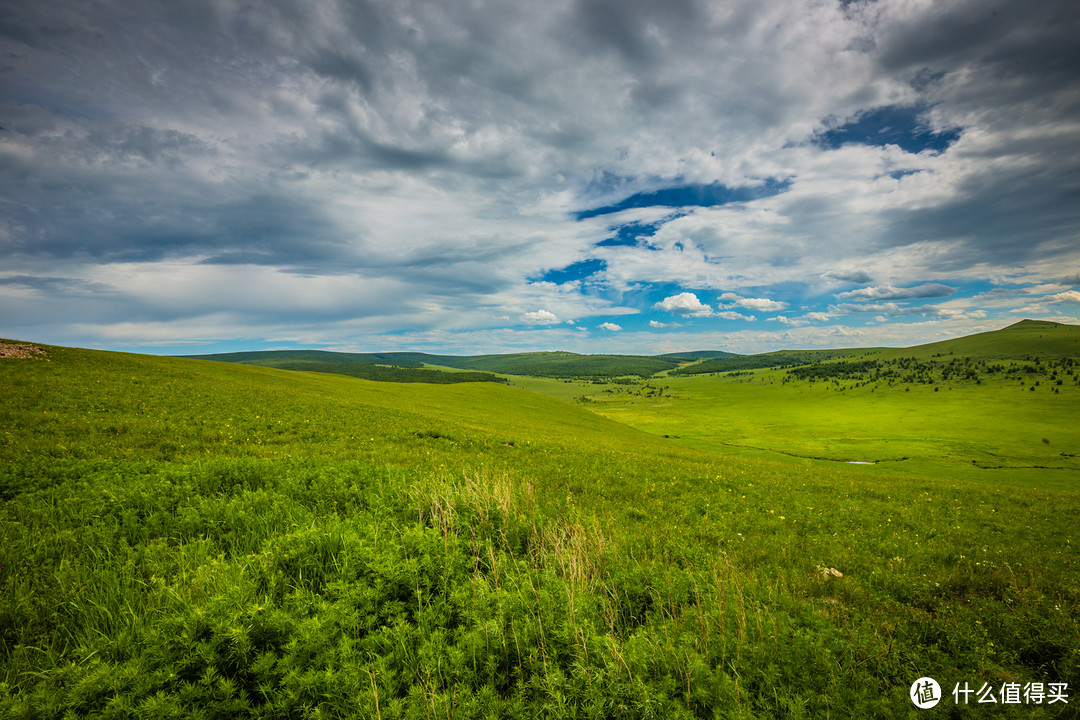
(636, 29)
(1028, 50)
(108, 218)
(1009, 73)
(104, 147)
(1015, 69)
(1008, 217)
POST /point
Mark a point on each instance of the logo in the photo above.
(925, 692)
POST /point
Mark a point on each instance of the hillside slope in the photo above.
(1024, 340)
(542, 364)
(182, 538)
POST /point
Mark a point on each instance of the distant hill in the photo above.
(543, 364)
(562, 364)
(698, 355)
(385, 367)
(273, 358)
(779, 358)
(1026, 339)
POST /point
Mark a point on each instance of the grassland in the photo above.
(543, 364)
(780, 358)
(1011, 425)
(182, 538)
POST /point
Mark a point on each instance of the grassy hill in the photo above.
(1024, 340)
(383, 367)
(958, 407)
(779, 358)
(544, 364)
(562, 364)
(697, 355)
(182, 538)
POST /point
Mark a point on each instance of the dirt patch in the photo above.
(20, 350)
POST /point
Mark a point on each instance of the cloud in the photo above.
(1069, 297)
(609, 326)
(429, 165)
(891, 310)
(540, 317)
(685, 304)
(732, 315)
(887, 292)
(852, 276)
(658, 324)
(759, 304)
(806, 319)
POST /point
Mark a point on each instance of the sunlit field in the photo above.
(183, 538)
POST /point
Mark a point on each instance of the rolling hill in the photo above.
(1026, 339)
(182, 538)
(542, 364)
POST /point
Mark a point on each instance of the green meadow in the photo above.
(195, 539)
(1003, 429)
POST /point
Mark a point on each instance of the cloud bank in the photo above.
(223, 175)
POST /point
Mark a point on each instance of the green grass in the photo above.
(780, 358)
(1021, 341)
(959, 408)
(1024, 340)
(545, 364)
(182, 538)
(1000, 429)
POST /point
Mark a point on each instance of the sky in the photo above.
(598, 176)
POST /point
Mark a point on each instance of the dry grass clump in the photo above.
(19, 350)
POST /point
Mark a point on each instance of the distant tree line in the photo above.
(913, 370)
(393, 373)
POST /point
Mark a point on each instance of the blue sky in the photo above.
(594, 175)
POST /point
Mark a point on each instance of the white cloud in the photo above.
(806, 319)
(609, 326)
(762, 304)
(732, 315)
(658, 324)
(759, 304)
(893, 310)
(540, 317)
(1069, 297)
(686, 304)
(887, 292)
